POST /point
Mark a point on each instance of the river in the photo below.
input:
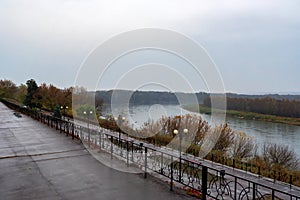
(262, 131)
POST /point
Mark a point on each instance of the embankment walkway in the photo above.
(36, 162)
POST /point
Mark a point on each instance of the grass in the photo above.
(245, 115)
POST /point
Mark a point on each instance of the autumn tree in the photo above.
(224, 138)
(162, 131)
(67, 93)
(50, 97)
(31, 90)
(7, 89)
(276, 155)
(21, 93)
(151, 128)
(53, 98)
(243, 146)
(202, 129)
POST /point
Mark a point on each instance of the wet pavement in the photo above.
(37, 162)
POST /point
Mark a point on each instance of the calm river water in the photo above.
(262, 131)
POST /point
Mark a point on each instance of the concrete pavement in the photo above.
(37, 162)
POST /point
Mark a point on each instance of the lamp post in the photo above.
(88, 124)
(176, 132)
(119, 121)
(64, 108)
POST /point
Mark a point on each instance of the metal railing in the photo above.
(199, 177)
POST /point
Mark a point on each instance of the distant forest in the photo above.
(148, 97)
(272, 104)
(265, 105)
(164, 98)
(49, 97)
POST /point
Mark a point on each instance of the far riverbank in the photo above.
(245, 115)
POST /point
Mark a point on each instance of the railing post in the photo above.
(161, 162)
(131, 151)
(253, 193)
(89, 137)
(141, 151)
(171, 182)
(127, 152)
(68, 128)
(180, 161)
(121, 147)
(81, 135)
(60, 126)
(73, 131)
(119, 136)
(103, 139)
(145, 164)
(204, 182)
(100, 140)
(233, 163)
(235, 187)
(111, 147)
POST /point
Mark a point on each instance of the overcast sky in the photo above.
(255, 44)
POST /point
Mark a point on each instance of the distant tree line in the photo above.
(49, 97)
(164, 97)
(266, 105)
(10, 90)
(257, 96)
(149, 97)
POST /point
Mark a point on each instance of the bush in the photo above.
(279, 156)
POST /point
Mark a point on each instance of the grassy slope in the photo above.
(247, 115)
